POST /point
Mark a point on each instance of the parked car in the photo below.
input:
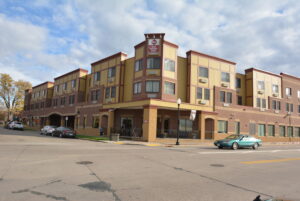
(64, 132)
(16, 125)
(238, 141)
(48, 130)
(7, 125)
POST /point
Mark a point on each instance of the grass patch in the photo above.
(95, 138)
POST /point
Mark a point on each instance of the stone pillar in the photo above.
(62, 121)
(149, 123)
(110, 124)
(202, 126)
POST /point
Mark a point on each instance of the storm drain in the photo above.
(217, 165)
(84, 162)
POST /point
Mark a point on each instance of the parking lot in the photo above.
(35, 167)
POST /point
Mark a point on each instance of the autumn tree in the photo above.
(12, 93)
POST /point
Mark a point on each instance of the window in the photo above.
(275, 88)
(63, 101)
(95, 95)
(73, 83)
(137, 88)
(261, 129)
(111, 72)
(289, 131)
(282, 131)
(138, 65)
(238, 83)
(199, 93)
(169, 88)
(222, 96)
(56, 88)
(107, 92)
(95, 122)
(225, 77)
(229, 97)
(298, 94)
(263, 103)
(239, 100)
(185, 125)
(258, 102)
(252, 128)
(298, 108)
(271, 130)
(297, 132)
(153, 63)
(260, 85)
(152, 86)
(43, 93)
(289, 107)
(113, 92)
(275, 105)
(237, 128)
(288, 91)
(169, 65)
(65, 86)
(222, 126)
(97, 76)
(72, 99)
(206, 94)
(55, 101)
(203, 72)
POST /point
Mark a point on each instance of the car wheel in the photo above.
(255, 146)
(220, 147)
(235, 146)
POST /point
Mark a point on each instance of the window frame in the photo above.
(154, 62)
(206, 73)
(167, 63)
(225, 77)
(152, 86)
(169, 91)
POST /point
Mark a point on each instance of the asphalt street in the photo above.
(35, 167)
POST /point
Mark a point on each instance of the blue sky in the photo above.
(42, 39)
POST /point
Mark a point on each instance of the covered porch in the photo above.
(153, 122)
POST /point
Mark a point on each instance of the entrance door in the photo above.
(126, 126)
(209, 129)
(166, 125)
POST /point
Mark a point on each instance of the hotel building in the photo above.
(137, 97)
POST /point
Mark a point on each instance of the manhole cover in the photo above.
(217, 165)
(84, 162)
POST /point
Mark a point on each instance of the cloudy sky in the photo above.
(42, 39)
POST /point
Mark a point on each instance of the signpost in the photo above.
(66, 121)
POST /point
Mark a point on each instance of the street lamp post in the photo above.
(178, 114)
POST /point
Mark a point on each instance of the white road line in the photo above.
(247, 152)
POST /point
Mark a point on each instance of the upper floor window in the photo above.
(238, 83)
(288, 91)
(65, 86)
(199, 93)
(153, 63)
(138, 65)
(97, 76)
(275, 88)
(203, 72)
(152, 86)
(222, 96)
(62, 100)
(73, 83)
(206, 94)
(71, 99)
(289, 107)
(298, 93)
(229, 97)
(169, 65)
(56, 88)
(169, 88)
(276, 105)
(239, 100)
(261, 102)
(95, 95)
(225, 77)
(137, 88)
(110, 92)
(260, 85)
(111, 72)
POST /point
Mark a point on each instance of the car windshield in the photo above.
(52, 126)
(233, 137)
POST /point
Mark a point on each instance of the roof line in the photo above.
(209, 56)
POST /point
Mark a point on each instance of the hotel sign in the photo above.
(153, 46)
